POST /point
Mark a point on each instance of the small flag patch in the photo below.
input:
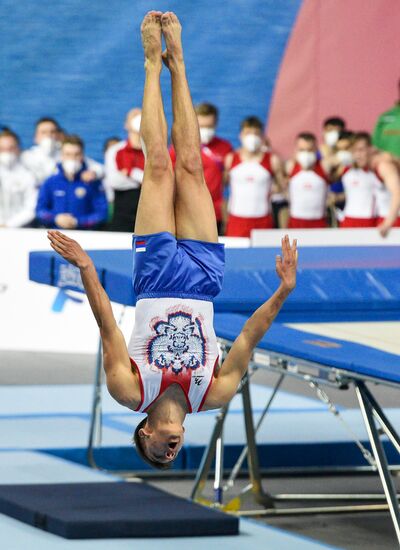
(140, 246)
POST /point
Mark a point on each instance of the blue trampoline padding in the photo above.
(355, 358)
(111, 510)
(334, 283)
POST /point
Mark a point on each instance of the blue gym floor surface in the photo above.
(44, 432)
(37, 422)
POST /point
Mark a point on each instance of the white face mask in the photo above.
(306, 159)
(8, 159)
(48, 145)
(206, 134)
(71, 167)
(331, 138)
(345, 158)
(134, 124)
(252, 143)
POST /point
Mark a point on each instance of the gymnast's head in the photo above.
(158, 443)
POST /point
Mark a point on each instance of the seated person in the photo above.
(17, 184)
(65, 200)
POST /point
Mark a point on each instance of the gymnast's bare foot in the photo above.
(171, 29)
(151, 39)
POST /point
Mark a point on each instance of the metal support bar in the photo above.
(243, 454)
(208, 455)
(367, 410)
(254, 470)
(96, 416)
(383, 419)
(219, 469)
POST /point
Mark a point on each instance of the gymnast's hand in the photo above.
(69, 249)
(287, 263)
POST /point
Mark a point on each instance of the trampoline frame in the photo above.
(287, 365)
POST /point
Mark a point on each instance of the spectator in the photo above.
(17, 184)
(124, 174)
(343, 158)
(308, 184)
(331, 129)
(67, 201)
(251, 172)
(363, 183)
(109, 142)
(279, 202)
(386, 136)
(42, 158)
(213, 153)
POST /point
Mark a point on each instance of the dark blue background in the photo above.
(82, 62)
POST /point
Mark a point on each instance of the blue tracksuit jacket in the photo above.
(85, 201)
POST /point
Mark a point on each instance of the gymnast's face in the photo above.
(163, 442)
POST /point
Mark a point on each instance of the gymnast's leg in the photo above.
(156, 205)
(194, 211)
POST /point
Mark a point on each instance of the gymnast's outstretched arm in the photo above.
(237, 360)
(120, 380)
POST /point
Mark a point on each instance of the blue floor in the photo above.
(297, 432)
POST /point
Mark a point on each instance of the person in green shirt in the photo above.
(386, 135)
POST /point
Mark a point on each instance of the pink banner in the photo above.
(342, 59)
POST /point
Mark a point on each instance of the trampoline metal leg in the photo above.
(95, 421)
(208, 456)
(236, 469)
(254, 470)
(219, 469)
(383, 419)
(367, 410)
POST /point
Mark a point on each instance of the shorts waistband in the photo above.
(179, 295)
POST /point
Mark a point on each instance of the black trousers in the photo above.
(125, 208)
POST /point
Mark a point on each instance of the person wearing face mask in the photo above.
(371, 182)
(343, 157)
(124, 164)
(42, 158)
(331, 129)
(251, 171)
(308, 181)
(67, 201)
(17, 184)
(214, 151)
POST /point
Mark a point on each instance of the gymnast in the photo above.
(170, 366)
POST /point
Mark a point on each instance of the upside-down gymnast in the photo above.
(170, 367)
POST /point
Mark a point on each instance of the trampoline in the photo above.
(334, 284)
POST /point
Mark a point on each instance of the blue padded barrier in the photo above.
(334, 283)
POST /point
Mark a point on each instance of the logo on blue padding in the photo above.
(179, 343)
(61, 299)
(70, 276)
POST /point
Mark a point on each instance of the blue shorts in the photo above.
(183, 268)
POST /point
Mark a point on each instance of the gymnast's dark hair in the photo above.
(137, 440)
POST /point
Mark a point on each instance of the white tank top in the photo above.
(250, 187)
(307, 192)
(360, 187)
(173, 342)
